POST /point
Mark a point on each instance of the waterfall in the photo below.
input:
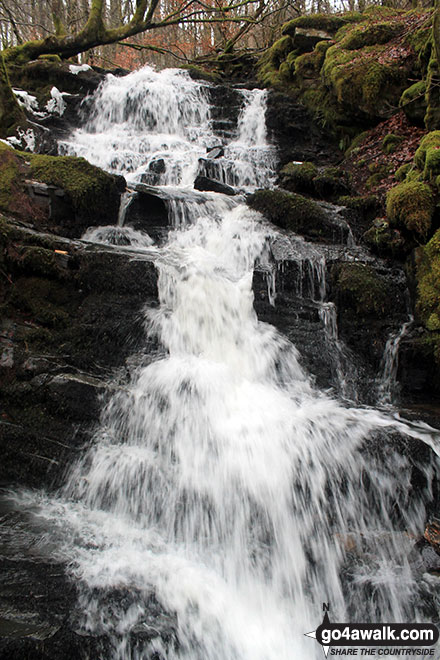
(390, 363)
(220, 480)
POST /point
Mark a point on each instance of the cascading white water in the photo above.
(220, 479)
(387, 383)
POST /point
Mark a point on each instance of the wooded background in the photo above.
(180, 30)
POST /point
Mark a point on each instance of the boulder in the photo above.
(205, 184)
(305, 39)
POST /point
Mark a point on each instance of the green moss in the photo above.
(414, 174)
(356, 142)
(290, 59)
(284, 72)
(417, 90)
(330, 183)
(327, 22)
(374, 180)
(50, 58)
(433, 323)
(40, 261)
(9, 176)
(413, 102)
(420, 41)
(370, 34)
(384, 240)
(309, 64)
(391, 142)
(288, 210)
(411, 205)
(362, 290)
(91, 190)
(198, 73)
(432, 117)
(271, 60)
(359, 82)
(324, 108)
(432, 163)
(298, 177)
(376, 11)
(41, 300)
(401, 173)
(323, 46)
(363, 204)
(430, 140)
(428, 283)
(379, 171)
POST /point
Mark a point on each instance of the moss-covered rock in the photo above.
(91, 195)
(362, 290)
(199, 73)
(270, 62)
(93, 192)
(308, 65)
(391, 142)
(410, 205)
(432, 163)
(11, 115)
(290, 211)
(370, 34)
(10, 169)
(298, 177)
(363, 207)
(361, 83)
(386, 241)
(432, 116)
(327, 22)
(361, 74)
(402, 172)
(432, 140)
(356, 143)
(428, 283)
(413, 103)
(330, 183)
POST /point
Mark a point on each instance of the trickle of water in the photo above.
(328, 316)
(387, 387)
(220, 479)
(343, 366)
(126, 199)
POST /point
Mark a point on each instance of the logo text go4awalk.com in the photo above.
(376, 639)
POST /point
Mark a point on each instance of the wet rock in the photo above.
(418, 371)
(66, 325)
(204, 184)
(216, 152)
(226, 104)
(62, 194)
(299, 214)
(305, 39)
(362, 296)
(75, 396)
(148, 211)
(157, 166)
(295, 133)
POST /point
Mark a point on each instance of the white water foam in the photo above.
(220, 479)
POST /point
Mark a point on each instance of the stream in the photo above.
(225, 497)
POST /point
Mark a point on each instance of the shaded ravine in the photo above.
(222, 485)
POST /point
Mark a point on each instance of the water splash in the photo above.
(220, 479)
(387, 387)
(112, 235)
